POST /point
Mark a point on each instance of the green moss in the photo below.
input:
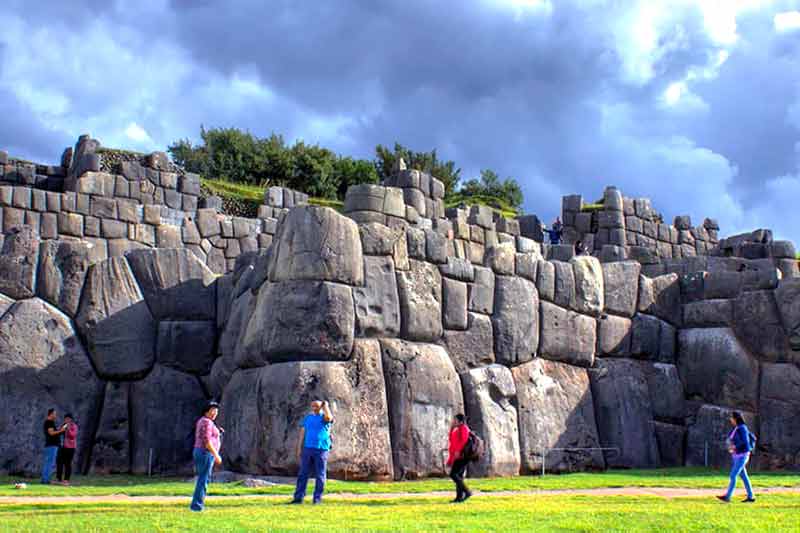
(105, 150)
(592, 207)
(497, 204)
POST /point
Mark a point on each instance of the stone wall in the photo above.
(401, 313)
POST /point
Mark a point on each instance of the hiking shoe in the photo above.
(749, 500)
(724, 499)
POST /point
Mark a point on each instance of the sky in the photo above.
(695, 104)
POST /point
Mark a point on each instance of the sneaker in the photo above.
(466, 497)
(749, 500)
(316, 502)
(457, 499)
(295, 502)
(724, 499)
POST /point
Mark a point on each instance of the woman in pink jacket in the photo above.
(66, 452)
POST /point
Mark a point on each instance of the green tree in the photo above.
(351, 171)
(429, 162)
(491, 185)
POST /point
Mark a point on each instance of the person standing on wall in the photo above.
(459, 435)
(52, 441)
(741, 443)
(555, 232)
(313, 447)
(67, 450)
(206, 453)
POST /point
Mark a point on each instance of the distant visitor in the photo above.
(555, 231)
(456, 458)
(206, 452)
(66, 453)
(52, 441)
(741, 442)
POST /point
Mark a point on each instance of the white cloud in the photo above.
(137, 134)
(787, 21)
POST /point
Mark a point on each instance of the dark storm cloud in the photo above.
(566, 98)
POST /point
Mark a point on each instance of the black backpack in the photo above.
(474, 448)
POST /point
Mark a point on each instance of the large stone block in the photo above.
(454, 304)
(18, 262)
(299, 320)
(43, 365)
(707, 436)
(671, 443)
(420, 291)
(715, 367)
(614, 336)
(787, 298)
(554, 403)
(621, 287)
(515, 320)
(116, 322)
(501, 258)
(758, 325)
(267, 405)
(661, 296)
(481, 292)
(708, 314)
(473, 347)
(564, 285)
(377, 239)
(567, 336)
(62, 272)
(589, 288)
(111, 452)
(666, 391)
(424, 394)
(317, 243)
(175, 283)
(779, 432)
(377, 304)
(187, 346)
(164, 407)
(624, 414)
(488, 396)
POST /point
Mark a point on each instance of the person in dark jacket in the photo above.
(555, 232)
(459, 435)
(740, 446)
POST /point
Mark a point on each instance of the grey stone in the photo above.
(111, 448)
(707, 436)
(614, 336)
(424, 394)
(787, 299)
(481, 215)
(298, 320)
(515, 320)
(670, 438)
(314, 243)
(779, 412)
(546, 280)
(481, 292)
(661, 296)
(714, 366)
(564, 285)
(610, 219)
(560, 252)
(620, 285)
(501, 258)
(43, 366)
(526, 265)
(555, 407)
(454, 304)
(458, 269)
(589, 291)
(377, 305)
(612, 199)
(187, 346)
(666, 391)
(416, 243)
(473, 347)
(420, 291)
(624, 414)
(488, 396)
(175, 284)
(19, 260)
(435, 247)
(62, 273)
(567, 337)
(758, 325)
(207, 222)
(708, 314)
(114, 319)
(162, 406)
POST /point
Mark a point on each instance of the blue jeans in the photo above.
(316, 460)
(738, 470)
(203, 465)
(50, 454)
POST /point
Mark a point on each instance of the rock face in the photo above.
(377, 304)
(661, 296)
(299, 320)
(779, 436)
(589, 291)
(18, 262)
(111, 451)
(262, 410)
(317, 244)
(175, 284)
(787, 297)
(62, 273)
(43, 365)
(471, 348)
(555, 406)
(515, 320)
(117, 324)
(708, 430)
(567, 336)
(186, 345)
(714, 366)
(164, 407)
(624, 414)
(489, 392)
(424, 394)
(420, 291)
(757, 324)
(621, 286)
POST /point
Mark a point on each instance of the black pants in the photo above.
(64, 463)
(457, 472)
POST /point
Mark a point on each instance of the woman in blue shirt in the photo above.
(741, 443)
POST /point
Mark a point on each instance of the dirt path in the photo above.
(622, 491)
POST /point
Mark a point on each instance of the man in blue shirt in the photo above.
(315, 439)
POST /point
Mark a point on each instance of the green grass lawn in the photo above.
(156, 486)
(502, 514)
(255, 194)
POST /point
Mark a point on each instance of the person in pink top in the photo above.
(206, 453)
(66, 452)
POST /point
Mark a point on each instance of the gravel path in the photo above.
(622, 491)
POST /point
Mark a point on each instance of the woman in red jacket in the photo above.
(459, 434)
